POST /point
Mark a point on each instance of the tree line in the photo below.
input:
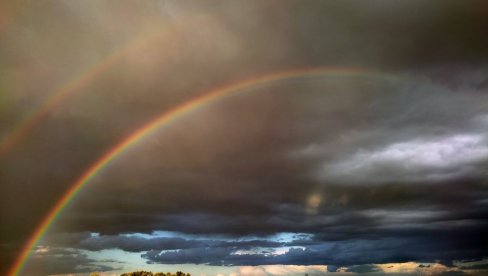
(148, 273)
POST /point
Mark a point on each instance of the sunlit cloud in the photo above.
(422, 159)
(282, 270)
(413, 267)
(313, 203)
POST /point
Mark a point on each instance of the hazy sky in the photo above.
(379, 167)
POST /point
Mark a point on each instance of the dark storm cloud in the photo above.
(48, 261)
(343, 253)
(425, 243)
(343, 158)
(139, 244)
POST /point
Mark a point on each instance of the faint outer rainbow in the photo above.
(64, 91)
(163, 120)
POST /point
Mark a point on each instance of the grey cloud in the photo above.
(362, 268)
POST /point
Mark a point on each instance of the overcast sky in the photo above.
(382, 168)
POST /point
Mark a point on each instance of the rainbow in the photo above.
(74, 84)
(160, 121)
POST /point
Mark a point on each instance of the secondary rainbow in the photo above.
(74, 84)
(164, 120)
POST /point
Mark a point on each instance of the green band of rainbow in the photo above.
(163, 120)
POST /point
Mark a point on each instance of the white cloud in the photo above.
(418, 159)
(42, 249)
(282, 270)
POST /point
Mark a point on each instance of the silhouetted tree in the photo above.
(138, 273)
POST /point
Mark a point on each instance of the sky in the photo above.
(375, 164)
